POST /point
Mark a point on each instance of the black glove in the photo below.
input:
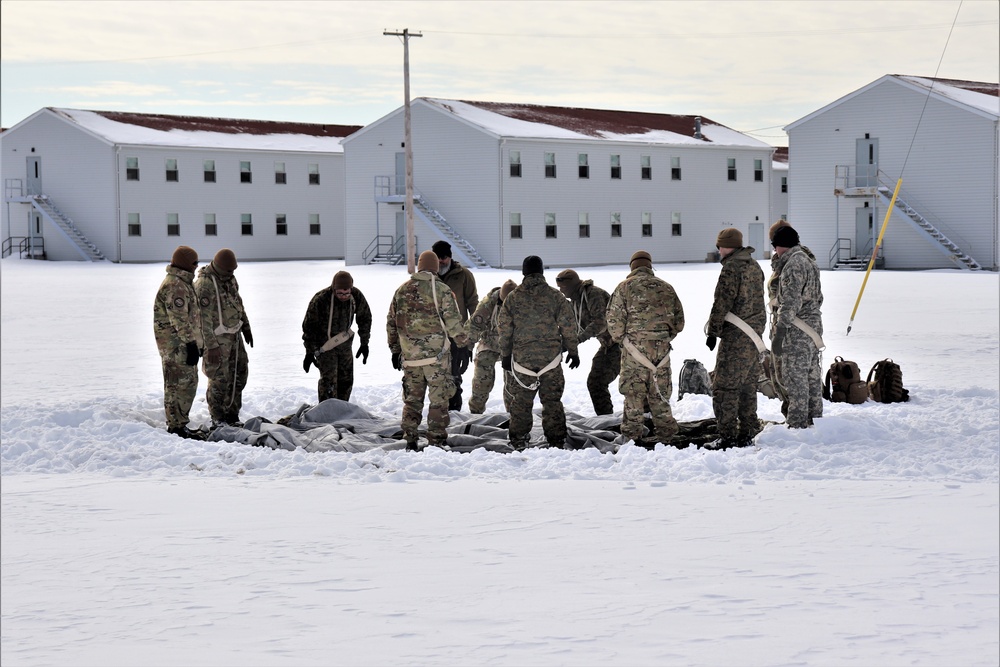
(397, 360)
(248, 337)
(192, 354)
(574, 360)
(464, 356)
(777, 340)
(710, 342)
(307, 361)
(506, 362)
(363, 353)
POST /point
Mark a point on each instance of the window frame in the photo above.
(173, 224)
(550, 165)
(647, 225)
(616, 224)
(514, 159)
(583, 224)
(211, 227)
(134, 224)
(675, 168)
(731, 169)
(675, 224)
(246, 224)
(582, 166)
(172, 175)
(758, 170)
(280, 175)
(280, 224)
(784, 185)
(515, 226)
(209, 174)
(131, 168)
(551, 226)
(246, 174)
(314, 174)
(616, 167)
(314, 224)
(646, 167)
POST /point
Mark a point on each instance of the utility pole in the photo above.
(407, 145)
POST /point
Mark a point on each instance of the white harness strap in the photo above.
(222, 329)
(444, 348)
(642, 359)
(809, 331)
(745, 328)
(343, 336)
(518, 368)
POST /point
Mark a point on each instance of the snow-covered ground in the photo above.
(870, 539)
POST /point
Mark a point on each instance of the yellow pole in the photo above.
(878, 244)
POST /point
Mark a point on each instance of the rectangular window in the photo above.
(281, 224)
(134, 225)
(280, 177)
(246, 176)
(515, 164)
(616, 225)
(784, 184)
(173, 224)
(675, 169)
(647, 224)
(675, 223)
(172, 174)
(210, 228)
(584, 219)
(550, 165)
(583, 169)
(209, 167)
(515, 225)
(616, 166)
(314, 224)
(246, 224)
(647, 168)
(314, 175)
(758, 171)
(132, 168)
(731, 166)
(550, 225)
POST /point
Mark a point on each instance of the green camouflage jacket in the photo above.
(176, 315)
(644, 307)
(345, 313)
(590, 308)
(413, 325)
(227, 299)
(483, 325)
(795, 289)
(740, 290)
(536, 323)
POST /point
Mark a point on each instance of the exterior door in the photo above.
(756, 239)
(400, 173)
(867, 163)
(400, 225)
(34, 180)
(864, 226)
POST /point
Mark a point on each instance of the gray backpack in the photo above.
(693, 379)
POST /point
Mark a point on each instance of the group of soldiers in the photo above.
(436, 322)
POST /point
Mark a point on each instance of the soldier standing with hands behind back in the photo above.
(463, 284)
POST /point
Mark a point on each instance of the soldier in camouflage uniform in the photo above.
(796, 297)
(463, 284)
(644, 316)
(328, 337)
(590, 306)
(423, 316)
(223, 320)
(536, 325)
(483, 328)
(177, 327)
(740, 291)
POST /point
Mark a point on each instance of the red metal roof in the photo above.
(226, 125)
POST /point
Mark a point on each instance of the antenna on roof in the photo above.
(697, 127)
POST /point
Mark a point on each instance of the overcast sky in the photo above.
(754, 66)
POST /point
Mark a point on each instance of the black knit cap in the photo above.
(532, 264)
(786, 237)
(442, 249)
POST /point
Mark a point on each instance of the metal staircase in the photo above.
(64, 224)
(940, 240)
(459, 246)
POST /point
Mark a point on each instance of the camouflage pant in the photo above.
(483, 379)
(640, 389)
(336, 373)
(434, 380)
(802, 377)
(180, 384)
(226, 380)
(522, 401)
(734, 390)
(603, 370)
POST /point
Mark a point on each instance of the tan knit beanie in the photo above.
(775, 227)
(730, 237)
(185, 258)
(506, 289)
(640, 258)
(427, 261)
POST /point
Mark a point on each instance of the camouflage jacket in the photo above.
(317, 323)
(590, 308)
(740, 290)
(463, 284)
(644, 307)
(413, 325)
(483, 325)
(537, 321)
(795, 289)
(227, 299)
(176, 315)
